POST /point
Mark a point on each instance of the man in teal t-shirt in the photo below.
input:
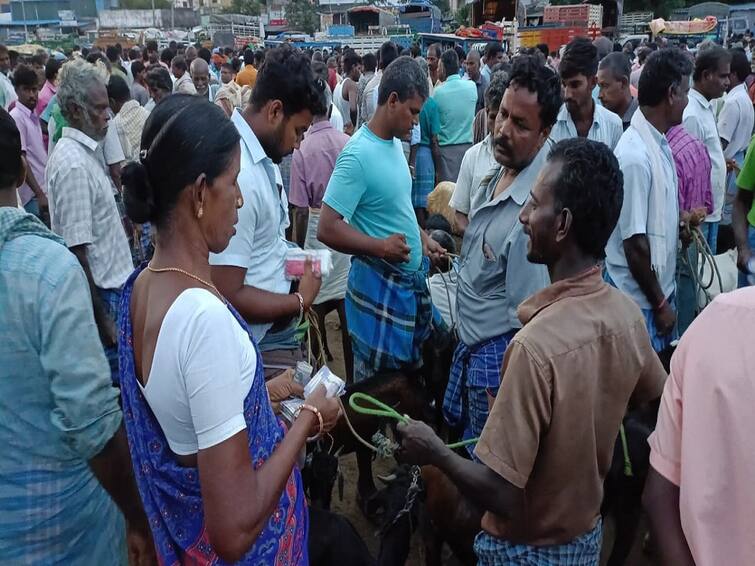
(456, 99)
(367, 212)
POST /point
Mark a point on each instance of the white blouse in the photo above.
(202, 370)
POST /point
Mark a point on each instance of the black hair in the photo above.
(492, 50)
(137, 67)
(174, 152)
(369, 62)
(496, 89)
(179, 62)
(25, 76)
(618, 64)
(204, 53)
(133, 54)
(444, 238)
(437, 222)
(259, 57)
(590, 184)
(580, 58)
(740, 66)
(228, 66)
(117, 89)
(95, 56)
(529, 72)
(111, 52)
(543, 48)
(450, 62)
(38, 59)
(350, 59)
(320, 71)
(166, 56)
(388, 54)
(643, 53)
(709, 60)
(236, 64)
(437, 47)
(10, 151)
(51, 69)
(663, 69)
(415, 50)
(460, 53)
(159, 77)
(248, 57)
(404, 77)
(286, 75)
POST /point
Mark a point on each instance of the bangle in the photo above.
(297, 294)
(317, 413)
(662, 304)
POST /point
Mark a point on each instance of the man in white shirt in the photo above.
(180, 70)
(250, 272)
(710, 82)
(641, 252)
(580, 116)
(735, 124)
(477, 162)
(82, 205)
(7, 92)
(493, 56)
(388, 52)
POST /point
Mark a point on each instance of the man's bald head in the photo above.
(200, 75)
(473, 64)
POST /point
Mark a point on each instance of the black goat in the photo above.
(333, 541)
(320, 472)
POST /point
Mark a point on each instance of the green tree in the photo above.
(302, 16)
(462, 16)
(246, 7)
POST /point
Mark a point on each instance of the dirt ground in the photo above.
(367, 530)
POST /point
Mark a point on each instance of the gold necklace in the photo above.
(195, 277)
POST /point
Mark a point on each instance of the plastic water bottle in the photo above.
(751, 271)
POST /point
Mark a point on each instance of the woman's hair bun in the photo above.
(137, 193)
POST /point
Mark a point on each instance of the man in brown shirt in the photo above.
(582, 355)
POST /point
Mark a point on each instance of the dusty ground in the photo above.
(348, 506)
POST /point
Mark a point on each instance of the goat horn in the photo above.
(387, 479)
(338, 452)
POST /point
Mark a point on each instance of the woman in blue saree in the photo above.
(216, 470)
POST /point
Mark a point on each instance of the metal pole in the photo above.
(154, 17)
(172, 15)
(23, 14)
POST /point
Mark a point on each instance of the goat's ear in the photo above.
(387, 480)
(338, 452)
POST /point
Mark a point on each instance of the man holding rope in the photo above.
(568, 376)
(367, 212)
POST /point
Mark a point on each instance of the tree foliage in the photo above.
(246, 7)
(302, 16)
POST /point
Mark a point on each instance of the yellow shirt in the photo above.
(247, 76)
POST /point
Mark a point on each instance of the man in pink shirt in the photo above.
(698, 493)
(49, 89)
(32, 192)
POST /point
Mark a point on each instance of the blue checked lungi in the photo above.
(584, 550)
(424, 176)
(111, 298)
(389, 314)
(475, 371)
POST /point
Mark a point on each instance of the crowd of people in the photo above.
(149, 201)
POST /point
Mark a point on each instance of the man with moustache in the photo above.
(581, 357)
(494, 275)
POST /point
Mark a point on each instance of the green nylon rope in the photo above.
(384, 410)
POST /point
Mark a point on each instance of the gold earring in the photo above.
(200, 212)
